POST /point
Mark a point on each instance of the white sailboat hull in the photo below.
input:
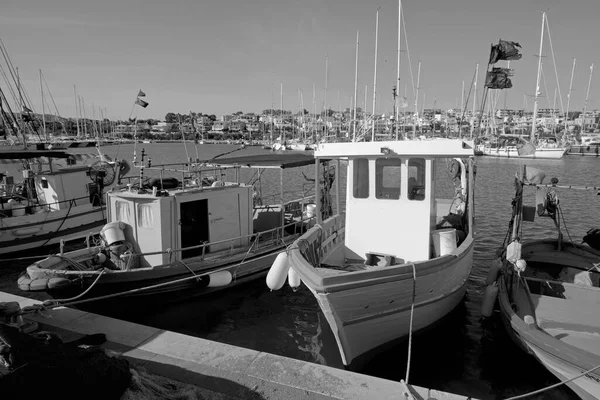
(511, 152)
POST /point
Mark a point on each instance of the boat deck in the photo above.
(585, 340)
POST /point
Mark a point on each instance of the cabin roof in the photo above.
(432, 148)
(7, 154)
(284, 160)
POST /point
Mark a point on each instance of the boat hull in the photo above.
(587, 387)
(590, 151)
(367, 309)
(123, 292)
(511, 152)
(44, 229)
(550, 348)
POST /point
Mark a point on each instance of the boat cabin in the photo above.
(391, 208)
(53, 183)
(182, 218)
(208, 210)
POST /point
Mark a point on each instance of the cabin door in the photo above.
(194, 226)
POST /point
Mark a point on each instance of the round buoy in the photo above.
(278, 272)
(489, 299)
(9, 308)
(293, 279)
(493, 271)
(218, 279)
(99, 259)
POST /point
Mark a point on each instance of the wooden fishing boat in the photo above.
(548, 292)
(170, 239)
(58, 198)
(398, 260)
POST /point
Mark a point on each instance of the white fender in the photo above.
(493, 271)
(219, 279)
(293, 279)
(278, 272)
(489, 299)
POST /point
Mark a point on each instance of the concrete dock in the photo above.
(220, 371)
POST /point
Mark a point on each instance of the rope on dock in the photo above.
(522, 396)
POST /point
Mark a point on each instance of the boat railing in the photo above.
(272, 235)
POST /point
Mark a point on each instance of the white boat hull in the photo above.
(364, 334)
(511, 152)
(36, 230)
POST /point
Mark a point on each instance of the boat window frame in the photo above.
(386, 168)
(418, 190)
(360, 178)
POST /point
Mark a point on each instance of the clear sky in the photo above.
(222, 56)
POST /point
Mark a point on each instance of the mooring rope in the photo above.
(522, 396)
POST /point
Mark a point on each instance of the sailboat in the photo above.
(515, 146)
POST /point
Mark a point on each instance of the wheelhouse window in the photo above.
(145, 216)
(360, 178)
(123, 211)
(416, 179)
(388, 174)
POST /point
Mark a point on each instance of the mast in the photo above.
(537, 83)
(474, 99)
(76, 111)
(569, 95)
(314, 125)
(355, 91)
(397, 108)
(281, 131)
(326, 113)
(417, 101)
(586, 99)
(43, 108)
(375, 75)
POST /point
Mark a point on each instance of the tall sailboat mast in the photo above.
(587, 95)
(355, 92)
(417, 101)
(375, 76)
(397, 108)
(569, 95)
(76, 111)
(43, 108)
(537, 83)
(473, 119)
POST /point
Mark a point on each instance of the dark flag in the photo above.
(505, 50)
(132, 119)
(141, 102)
(498, 78)
(141, 94)
(26, 109)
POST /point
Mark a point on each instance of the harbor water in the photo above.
(464, 354)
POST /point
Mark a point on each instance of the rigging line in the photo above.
(12, 92)
(545, 86)
(8, 62)
(562, 108)
(50, 93)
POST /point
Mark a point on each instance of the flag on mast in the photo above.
(141, 94)
(141, 102)
(505, 50)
